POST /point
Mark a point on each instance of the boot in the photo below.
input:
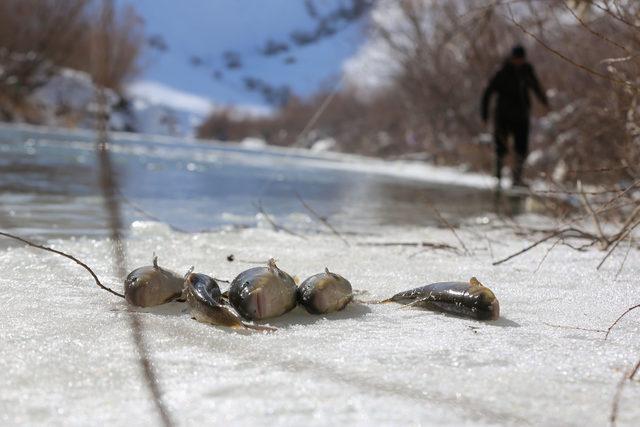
(517, 172)
(498, 169)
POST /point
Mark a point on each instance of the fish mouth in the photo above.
(326, 302)
(495, 309)
(258, 303)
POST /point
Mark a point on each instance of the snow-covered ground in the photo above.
(67, 356)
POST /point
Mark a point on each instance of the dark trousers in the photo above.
(519, 129)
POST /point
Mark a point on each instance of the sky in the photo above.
(208, 28)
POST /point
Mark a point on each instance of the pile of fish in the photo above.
(265, 292)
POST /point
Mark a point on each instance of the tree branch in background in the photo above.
(108, 60)
(565, 57)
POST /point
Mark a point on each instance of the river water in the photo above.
(49, 186)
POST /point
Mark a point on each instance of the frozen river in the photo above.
(48, 185)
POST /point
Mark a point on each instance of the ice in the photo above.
(67, 355)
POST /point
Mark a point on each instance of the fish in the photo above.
(471, 299)
(263, 292)
(325, 293)
(152, 285)
(206, 305)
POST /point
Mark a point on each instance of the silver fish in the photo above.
(263, 292)
(471, 299)
(152, 285)
(203, 296)
(325, 293)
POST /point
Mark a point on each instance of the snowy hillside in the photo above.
(68, 100)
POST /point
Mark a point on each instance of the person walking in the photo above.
(512, 84)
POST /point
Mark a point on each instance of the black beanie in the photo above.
(518, 52)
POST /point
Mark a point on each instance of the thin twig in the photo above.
(596, 220)
(618, 320)
(531, 246)
(147, 214)
(276, 226)
(71, 257)
(450, 227)
(626, 255)
(624, 233)
(592, 31)
(321, 219)
(489, 245)
(628, 376)
(547, 254)
(444, 246)
(563, 56)
(573, 327)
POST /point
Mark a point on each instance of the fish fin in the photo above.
(225, 294)
(418, 301)
(296, 280)
(259, 327)
(189, 271)
(475, 282)
(272, 265)
(326, 270)
(155, 261)
(384, 301)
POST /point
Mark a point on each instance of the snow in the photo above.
(164, 110)
(159, 93)
(67, 355)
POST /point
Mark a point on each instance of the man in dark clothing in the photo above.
(511, 114)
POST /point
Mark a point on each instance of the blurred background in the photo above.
(382, 78)
(395, 80)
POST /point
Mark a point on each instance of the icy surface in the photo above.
(67, 355)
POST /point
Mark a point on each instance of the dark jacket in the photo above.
(512, 84)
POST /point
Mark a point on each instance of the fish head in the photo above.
(149, 286)
(487, 305)
(331, 294)
(267, 298)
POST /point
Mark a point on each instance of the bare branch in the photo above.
(276, 226)
(66, 255)
(566, 58)
(321, 219)
(618, 320)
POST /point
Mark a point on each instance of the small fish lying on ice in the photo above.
(152, 285)
(206, 304)
(471, 299)
(325, 293)
(263, 292)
